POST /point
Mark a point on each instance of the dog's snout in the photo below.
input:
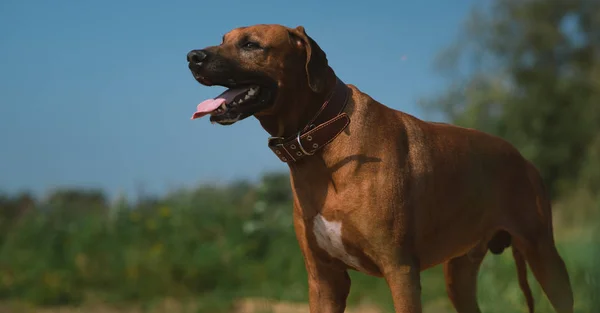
(196, 56)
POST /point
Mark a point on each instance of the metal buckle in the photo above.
(300, 145)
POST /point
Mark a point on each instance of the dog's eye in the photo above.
(250, 45)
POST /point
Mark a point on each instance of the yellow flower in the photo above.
(81, 262)
(132, 272)
(134, 216)
(51, 280)
(165, 211)
(156, 249)
(151, 224)
(7, 279)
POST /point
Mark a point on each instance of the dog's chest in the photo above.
(329, 238)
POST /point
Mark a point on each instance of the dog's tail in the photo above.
(522, 276)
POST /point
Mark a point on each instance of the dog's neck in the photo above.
(318, 127)
(296, 114)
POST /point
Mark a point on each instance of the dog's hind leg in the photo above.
(502, 240)
(537, 244)
(522, 276)
(461, 280)
(550, 271)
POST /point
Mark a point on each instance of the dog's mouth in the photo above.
(234, 104)
(221, 106)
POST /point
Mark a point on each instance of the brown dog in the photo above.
(377, 190)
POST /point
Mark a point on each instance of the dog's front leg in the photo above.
(328, 285)
(327, 289)
(404, 279)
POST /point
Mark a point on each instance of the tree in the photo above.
(529, 71)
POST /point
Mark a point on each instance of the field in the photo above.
(218, 249)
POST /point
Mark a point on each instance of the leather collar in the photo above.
(322, 129)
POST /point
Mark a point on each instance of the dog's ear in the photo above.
(316, 60)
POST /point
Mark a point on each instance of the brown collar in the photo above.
(324, 127)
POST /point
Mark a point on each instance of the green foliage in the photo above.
(529, 71)
(225, 240)
(214, 244)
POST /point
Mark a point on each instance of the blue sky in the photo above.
(98, 94)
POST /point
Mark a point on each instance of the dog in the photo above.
(377, 190)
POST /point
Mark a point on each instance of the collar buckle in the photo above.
(300, 145)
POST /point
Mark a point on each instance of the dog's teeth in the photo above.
(252, 91)
(223, 107)
(247, 97)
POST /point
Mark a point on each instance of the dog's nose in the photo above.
(196, 56)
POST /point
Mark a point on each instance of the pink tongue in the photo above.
(209, 105)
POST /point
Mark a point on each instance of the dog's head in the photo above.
(268, 69)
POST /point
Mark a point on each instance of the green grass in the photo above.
(218, 244)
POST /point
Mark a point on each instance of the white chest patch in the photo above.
(329, 238)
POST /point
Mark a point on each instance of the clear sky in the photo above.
(98, 93)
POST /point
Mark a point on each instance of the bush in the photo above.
(217, 243)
